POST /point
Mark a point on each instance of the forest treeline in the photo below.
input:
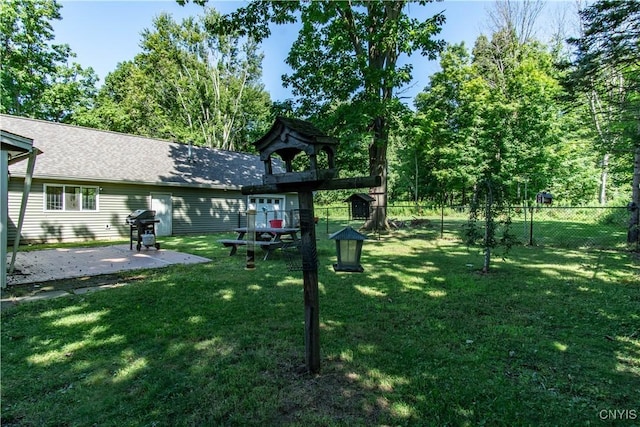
(510, 116)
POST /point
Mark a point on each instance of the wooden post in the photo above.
(531, 227)
(287, 138)
(310, 277)
(23, 206)
(309, 250)
(251, 238)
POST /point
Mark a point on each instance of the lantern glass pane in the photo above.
(348, 251)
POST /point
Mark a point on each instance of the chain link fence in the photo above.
(567, 227)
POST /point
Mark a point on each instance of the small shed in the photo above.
(359, 205)
(544, 197)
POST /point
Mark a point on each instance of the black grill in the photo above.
(142, 224)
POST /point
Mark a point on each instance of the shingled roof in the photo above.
(83, 154)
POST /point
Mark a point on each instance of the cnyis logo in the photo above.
(618, 414)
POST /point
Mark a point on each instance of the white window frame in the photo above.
(45, 204)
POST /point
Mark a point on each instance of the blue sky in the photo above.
(104, 33)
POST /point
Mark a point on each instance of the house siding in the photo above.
(195, 211)
(202, 211)
(198, 211)
(115, 202)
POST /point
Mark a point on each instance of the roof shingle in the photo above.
(78, 153)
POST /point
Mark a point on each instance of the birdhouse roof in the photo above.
(361, 196)
(347, 233)
(293, 134)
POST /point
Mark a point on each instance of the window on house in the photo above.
(54, 198)
(89, 198)
(70, 198)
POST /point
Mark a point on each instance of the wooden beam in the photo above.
(26, 190)
(332, 184)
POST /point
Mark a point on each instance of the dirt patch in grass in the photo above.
(331, 395)
(68, 285)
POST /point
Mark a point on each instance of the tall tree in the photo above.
(491, 124)
(348, 52)
(606, 53)
(447, 117)
(189, 86)
(125, 104)
(518, 17)
(520, 123)
(36, 79)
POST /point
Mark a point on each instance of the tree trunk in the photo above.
(603, 179)
(378, 167)
(488, 229)
(633, 234)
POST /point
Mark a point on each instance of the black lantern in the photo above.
(349, 249)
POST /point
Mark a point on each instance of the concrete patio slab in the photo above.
(68, 263)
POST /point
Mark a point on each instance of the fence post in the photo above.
(524, 225)
(442, 221)
(327, 219)
(531, 226)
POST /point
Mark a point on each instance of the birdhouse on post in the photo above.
(289, 137)
(360, 205)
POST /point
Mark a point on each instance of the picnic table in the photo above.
(268, 238)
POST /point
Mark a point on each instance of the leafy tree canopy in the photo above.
(347, 56)
(36, 79)
(606, 71)
(187, 85)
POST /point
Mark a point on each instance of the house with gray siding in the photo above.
(87, 181)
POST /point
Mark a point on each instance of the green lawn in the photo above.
(550, 337)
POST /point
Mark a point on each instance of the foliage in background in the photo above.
(36, 77)
(544, 143)
(488, 124)
(347, 58)
(502, 99)
(442, 140)
(491, 113)
(188, 85)
(606, 72)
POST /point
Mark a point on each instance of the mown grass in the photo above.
(549, 337)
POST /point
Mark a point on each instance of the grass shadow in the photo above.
(419, 337)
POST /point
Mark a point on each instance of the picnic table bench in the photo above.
(268, 238)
